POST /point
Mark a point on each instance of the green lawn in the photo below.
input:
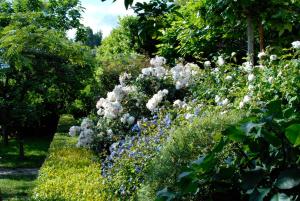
(19, 187)
(35, 152)
(16, 187)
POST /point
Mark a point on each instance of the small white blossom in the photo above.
(261, 55)
(246, 99)
(270, 79)
(220, 61)
(130, 120)
(109, 132)
(156, 99)
(241, 105)
(86, 123)
(225, 102)
(228, 78)
(182, 75)
(127, 119)
(217, 98)
(180, 104)
(273, 57)
(74, 130)
(85, 138)
(248, 66)
(122, 78)
(296, 44)
(189, 116)
(251, 87)
(158, 61)
(207, 64)
(251, 77)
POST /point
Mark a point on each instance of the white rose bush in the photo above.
(135, 122)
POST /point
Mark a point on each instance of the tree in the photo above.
(44, 72)
(254, 13)
(87, 37)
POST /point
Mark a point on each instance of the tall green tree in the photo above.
(87, 37)
(43, 71)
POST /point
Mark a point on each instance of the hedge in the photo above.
(69, 173)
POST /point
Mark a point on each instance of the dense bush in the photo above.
(152, 126)
(68, 173)
(65, 122)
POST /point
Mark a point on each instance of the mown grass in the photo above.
(16, 187)
(35, 153)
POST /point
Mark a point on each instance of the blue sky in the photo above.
(102, 15)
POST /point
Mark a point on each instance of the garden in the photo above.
(184, 101)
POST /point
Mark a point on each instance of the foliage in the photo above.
(111, 68)
(122, 40)
(69, 173)
(150, 16)
(65, 122)
(87, 37)
(184, 112)
(263, 161)
(45, 70)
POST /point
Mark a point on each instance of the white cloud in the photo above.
(102, 16)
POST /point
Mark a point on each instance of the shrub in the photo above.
(65, 122)
(187, 141)
(69, 173)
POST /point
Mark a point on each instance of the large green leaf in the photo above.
(251, 178)
(235, 134)
(280, 197)
(288, 179)
(259, 194)
(275, 109)
(293, 134)
(164, 194)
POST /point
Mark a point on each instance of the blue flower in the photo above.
(167, 120)
(136, 128)
(137, 169)
(197, 111)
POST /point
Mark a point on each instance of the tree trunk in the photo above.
(250, 36)
(261, 37)
(5, 136)
(21, 146)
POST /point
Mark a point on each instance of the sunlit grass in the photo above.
(35, 152)
(16, 187)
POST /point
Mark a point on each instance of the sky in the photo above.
(102, 16)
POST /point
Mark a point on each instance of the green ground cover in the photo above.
(69, 173)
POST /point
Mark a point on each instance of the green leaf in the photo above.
(288, 179)
(293, 134)
(280, 197)
(272, 138)
(205, 163)
(248, 127)
(184, 175)
(235, 134)
(259, 194)
(164, 193)
(251, 178)
(274, 108)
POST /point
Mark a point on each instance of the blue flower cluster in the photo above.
(136, 149)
